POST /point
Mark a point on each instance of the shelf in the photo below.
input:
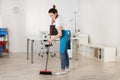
(5, 50)
(101, 52)
(4, 45)
(3, 42)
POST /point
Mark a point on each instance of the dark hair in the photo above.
(53, 10)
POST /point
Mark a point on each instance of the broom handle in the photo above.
(48, 48)
(51, 26)
(51, 30)
(47, 58)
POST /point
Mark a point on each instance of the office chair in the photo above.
(53, 31)
(43, 49)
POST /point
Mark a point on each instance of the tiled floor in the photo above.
(16, 67)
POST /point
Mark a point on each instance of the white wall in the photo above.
(101, 20)
(15, 24)
(37, 13)
(0, 15)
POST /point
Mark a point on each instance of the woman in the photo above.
(64, 36)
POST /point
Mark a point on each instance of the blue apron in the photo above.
(65, 41)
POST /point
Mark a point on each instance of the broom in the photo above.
(46, 72)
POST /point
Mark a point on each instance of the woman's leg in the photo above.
(63, 64)
(63, 61)
(66, 59)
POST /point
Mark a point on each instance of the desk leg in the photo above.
(28, 49)
(76, 47)
(32, 42)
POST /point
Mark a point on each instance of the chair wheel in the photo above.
(41, 55)
(54, 54)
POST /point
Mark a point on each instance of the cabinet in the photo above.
(4, 47)
(101, 52)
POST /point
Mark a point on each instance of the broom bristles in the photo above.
(45, 72)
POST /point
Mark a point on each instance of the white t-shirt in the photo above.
(59, 21)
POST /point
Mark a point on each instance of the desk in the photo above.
(32, 38)
(81, 39)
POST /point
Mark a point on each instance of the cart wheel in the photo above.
(39, 54)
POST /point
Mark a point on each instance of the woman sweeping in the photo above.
(64, 35)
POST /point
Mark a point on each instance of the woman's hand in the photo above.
(50, 41)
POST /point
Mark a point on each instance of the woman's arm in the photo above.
(59, 29)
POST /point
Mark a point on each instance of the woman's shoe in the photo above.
(67, 70)
(60, 73)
